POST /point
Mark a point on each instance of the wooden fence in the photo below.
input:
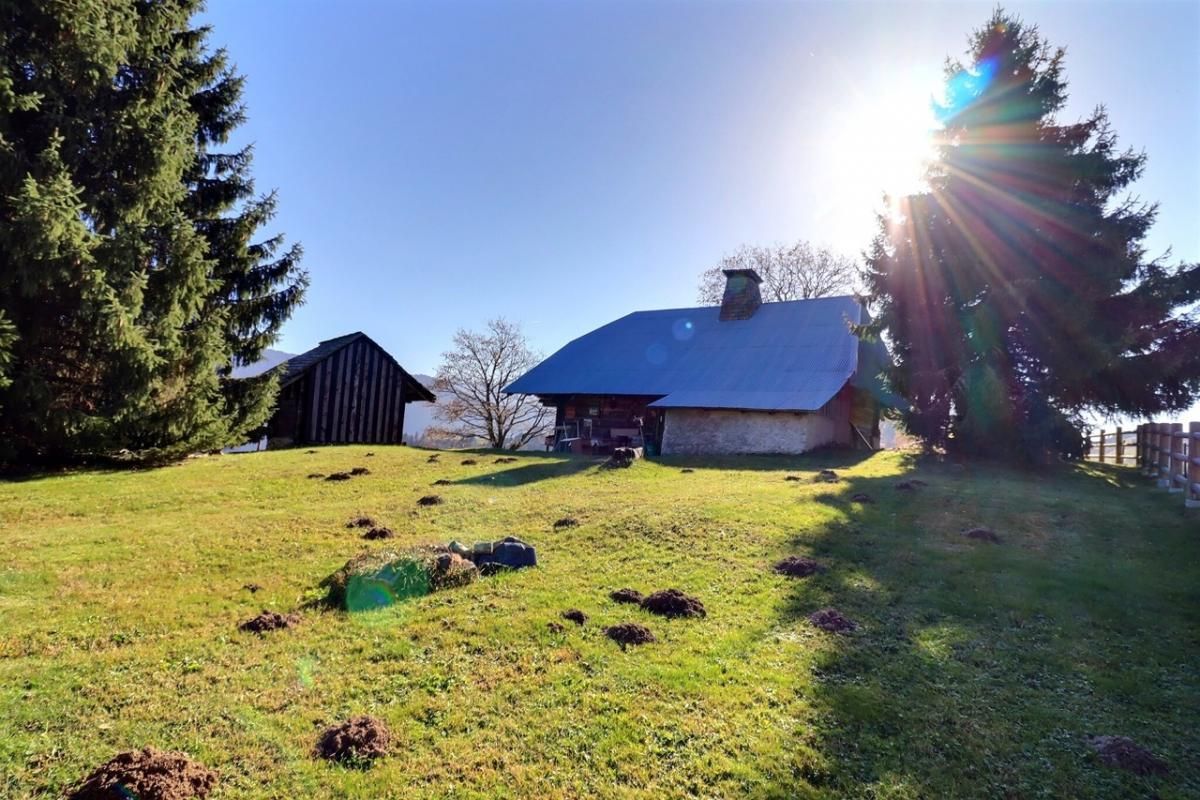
(1112, 447)
(1162, 450)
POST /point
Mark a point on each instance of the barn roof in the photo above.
(294, 368)
(790, 356)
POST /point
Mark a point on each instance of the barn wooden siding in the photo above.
(355, 395)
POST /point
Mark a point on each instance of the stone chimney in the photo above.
(742, 297)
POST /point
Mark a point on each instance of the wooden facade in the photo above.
(346, 390)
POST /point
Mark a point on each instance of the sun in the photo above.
(877, 141)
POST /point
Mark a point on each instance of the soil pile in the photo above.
(626, 596)
(798, 566)
(356, 742)
(361, 522)
(270, 621)
(315, 475)
(565, 522)
(442, 482)
(147, 774)
(575, 615)
(251, 587)
(827, 476)
(982, 535)
(469, 462)
(360, 471)
(862, 497)
(1124, 753)
(381, 532)
(910, 485)
(792, 478)
(430, 500)
(687, 471)
(338, 476)
(627, 633)
(506, 460)
(832, 621)
(433, 458)
(448, 570)
(673, 603)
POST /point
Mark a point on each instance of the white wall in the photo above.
(690, 431)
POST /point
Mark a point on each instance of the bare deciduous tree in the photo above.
(474, 374)
(796, 272)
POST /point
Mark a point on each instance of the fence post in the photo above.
(1191, 499)
(1139, 447)
(1102, 445)
(1120, 444)
(1175, 463)
(1164, 455)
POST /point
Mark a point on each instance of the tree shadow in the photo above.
(978, 669)
(825, 458)
(544, 468)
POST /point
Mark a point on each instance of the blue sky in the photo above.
(564, 163)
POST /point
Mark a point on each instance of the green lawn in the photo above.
(977, 671)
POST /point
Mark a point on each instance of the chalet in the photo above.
(344, 390)
(744, 377)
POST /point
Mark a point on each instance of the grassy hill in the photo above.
(978, 669)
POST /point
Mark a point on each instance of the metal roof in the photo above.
(792, 356)
(291, 370)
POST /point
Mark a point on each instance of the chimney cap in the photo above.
(748, 273)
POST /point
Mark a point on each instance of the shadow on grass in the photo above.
(833, 458)
(978, 669)
(543, 468)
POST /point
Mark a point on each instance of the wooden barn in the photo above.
(344, 390)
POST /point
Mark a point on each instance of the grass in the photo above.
(977, 669)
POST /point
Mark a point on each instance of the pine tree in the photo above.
(123, 313)
(1016, 292)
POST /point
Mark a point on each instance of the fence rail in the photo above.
(1161, 450)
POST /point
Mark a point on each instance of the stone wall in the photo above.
(691, 431)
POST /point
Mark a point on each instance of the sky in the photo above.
(562, 164)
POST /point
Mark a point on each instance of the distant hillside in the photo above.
(271, 358)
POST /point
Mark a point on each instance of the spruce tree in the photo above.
(1017, 293)
(124, 313)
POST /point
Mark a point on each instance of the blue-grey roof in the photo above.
(792, 356)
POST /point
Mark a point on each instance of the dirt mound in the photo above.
(626, 596)
(361, 522)
(469, 462)
(368, 455)
(315, 475)
(982, 535)
(433, 458)
(799, 566)
(832, 620)
(147, 774)
(360, 471)
(626, 633)
(910, 485)
(381, 532)
(506, 460)
(575, 615)
(309, 452)
(338, 476)
(862, 497)
(1124, 753)
(251, 587)
(673, 603)
(356, 742)
(430, 500)
(792, 478)
(827, 476)
(270, 621)
(555, 627)
(686, 471)
(451, 569)
(442, 482)
(565, 522)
